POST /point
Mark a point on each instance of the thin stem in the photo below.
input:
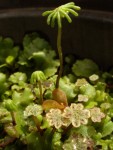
(3, 65)
(36, 122)
(13, 117)
(59, 48)
(41, 95)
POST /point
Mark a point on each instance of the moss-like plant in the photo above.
(57, 15)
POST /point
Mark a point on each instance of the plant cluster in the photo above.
(35, 113)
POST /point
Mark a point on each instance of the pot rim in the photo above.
(97, 15)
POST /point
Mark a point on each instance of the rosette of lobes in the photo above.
(62, 11)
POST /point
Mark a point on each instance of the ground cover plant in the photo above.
(46, 105)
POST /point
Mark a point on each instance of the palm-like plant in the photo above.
(57, 15)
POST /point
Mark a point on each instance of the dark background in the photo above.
(106, 5)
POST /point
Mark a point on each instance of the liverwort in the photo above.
(54, 16)
(57, 15)
(38, 77)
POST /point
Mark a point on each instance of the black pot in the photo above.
(106, 5)
(88, 36)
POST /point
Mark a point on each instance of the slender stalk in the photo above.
(13, 117)
(41, 95)
(59, 48)
(57, 14)
(36, 122)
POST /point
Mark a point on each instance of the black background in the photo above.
(106, 5)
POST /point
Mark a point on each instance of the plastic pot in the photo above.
(88, 36)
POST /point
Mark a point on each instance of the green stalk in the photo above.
(40, 89)
(59, 48)
(13, 117)
(57, 14)
(36, 122)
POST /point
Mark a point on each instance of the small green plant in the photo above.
(57, 15)
(38, 77)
